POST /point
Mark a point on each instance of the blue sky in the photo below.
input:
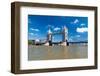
(77, 27)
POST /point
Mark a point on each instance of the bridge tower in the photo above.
(49, 35)
(49, 38)
(65, 35)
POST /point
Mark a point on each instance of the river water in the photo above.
(57, 52)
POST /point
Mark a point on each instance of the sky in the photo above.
(38, 26)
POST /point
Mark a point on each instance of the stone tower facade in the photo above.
(65, 35)
(49, 35)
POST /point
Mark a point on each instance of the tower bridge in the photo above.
(63, 32)
(49, 38)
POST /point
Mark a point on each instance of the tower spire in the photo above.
(49, 31)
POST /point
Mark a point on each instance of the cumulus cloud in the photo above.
(82, 24)
(31, 33)
(34, 29)
(75, 21)
(82, 30)
(56, 29)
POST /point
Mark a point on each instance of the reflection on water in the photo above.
(57, 52)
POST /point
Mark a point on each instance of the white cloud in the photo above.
(56, 29)
(77, 35)
(82, 24)
(31, 33)
(75, 21)
(34, 29)
(82, 30)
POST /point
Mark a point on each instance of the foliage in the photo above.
(30, 42)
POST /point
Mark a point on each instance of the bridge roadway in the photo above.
(55, 33)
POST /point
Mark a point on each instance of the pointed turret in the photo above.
(49, 31)
(49, 36)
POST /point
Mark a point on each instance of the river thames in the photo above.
(57, 52)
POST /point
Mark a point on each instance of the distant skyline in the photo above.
(38, 27)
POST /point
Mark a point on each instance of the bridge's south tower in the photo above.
(65, 35)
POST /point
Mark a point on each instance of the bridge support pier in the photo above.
(49, 43)
(46, 44)
(63, 43)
